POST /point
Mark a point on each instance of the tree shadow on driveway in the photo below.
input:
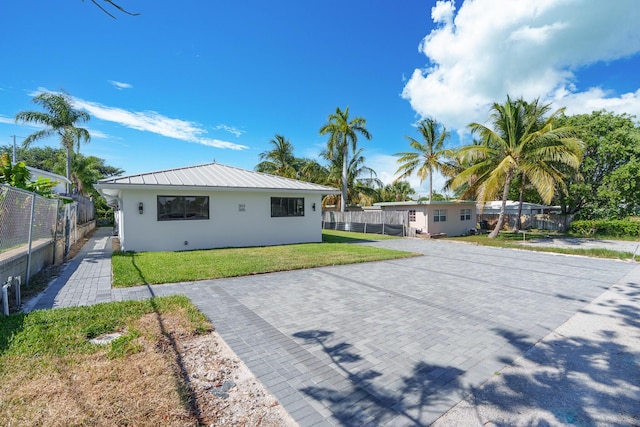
(563, 381)
(415, 400)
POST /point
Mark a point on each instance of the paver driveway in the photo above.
(395, 342)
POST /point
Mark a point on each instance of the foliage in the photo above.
(436, 197)
(113, 4)
(399, 191)
(521, 141)
(280, 160)
(362, 181)
(607, 184)
(606, 227)
(343, 133)
(19, 176)
(59, 118)
(131, 269)
(428, 157)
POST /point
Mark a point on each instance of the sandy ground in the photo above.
(227, 393)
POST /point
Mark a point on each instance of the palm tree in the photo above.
(398, 191)
(310, 170)
(342, 134)
(427, 158)
(280, 159)
(362, 181)
(59, 118)
(522, 141)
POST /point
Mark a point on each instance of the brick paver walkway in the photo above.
(387, 343)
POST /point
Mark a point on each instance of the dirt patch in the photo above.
(227, 393)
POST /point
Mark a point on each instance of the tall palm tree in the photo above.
(363, 183)
(60, 118)
(280, 159)
(343, 133)
(428, 157)
(521, 141)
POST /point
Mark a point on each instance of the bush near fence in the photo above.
(607, 227)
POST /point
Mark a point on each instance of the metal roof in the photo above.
(213, 175)
(426, 202)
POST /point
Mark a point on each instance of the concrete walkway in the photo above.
(498, 335)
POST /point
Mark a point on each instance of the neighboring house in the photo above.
(213, 206)
(61, 186)
(437, 217)
(511, 208)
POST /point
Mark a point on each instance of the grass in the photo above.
(51, 374)
(514, 241)
(138, 268)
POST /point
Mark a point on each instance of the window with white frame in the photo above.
(439, 215)
(412, 215)
(465, 214)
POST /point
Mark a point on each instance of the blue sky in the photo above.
(185, 83)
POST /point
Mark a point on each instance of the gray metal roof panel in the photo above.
(216, 175)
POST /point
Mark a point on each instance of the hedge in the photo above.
(607, 227)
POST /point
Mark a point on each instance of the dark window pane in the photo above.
(287, 206)
(182, 207)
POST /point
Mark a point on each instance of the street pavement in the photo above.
(463, 335)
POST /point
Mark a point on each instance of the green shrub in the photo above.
(606, 227)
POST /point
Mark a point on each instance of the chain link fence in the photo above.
(36, 231)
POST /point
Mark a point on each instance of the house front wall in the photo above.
(236, 219)
(454, 224)
(425, 218)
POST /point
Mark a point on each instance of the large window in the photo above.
(465, 214)
(287, 206)
(177, 208)
(439, 215)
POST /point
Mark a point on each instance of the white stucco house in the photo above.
(213, 206)
(453, 218)
(61, 181)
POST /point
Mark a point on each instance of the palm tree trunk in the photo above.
(68, 170)
(505, 196)
(518, 225)
(345, 153)
(430, 186)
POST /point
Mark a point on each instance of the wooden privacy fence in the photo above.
(395, 223)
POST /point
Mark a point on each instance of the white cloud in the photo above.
(120, 85)
(232, 130)
(98, 134)
(7, 120)
(491, 48)
(151, 121)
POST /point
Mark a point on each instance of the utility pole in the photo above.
(13, 156)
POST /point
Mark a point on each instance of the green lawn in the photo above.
(514, 241)
(139, 268)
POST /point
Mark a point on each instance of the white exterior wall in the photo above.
(421, 222)
(227, 226)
